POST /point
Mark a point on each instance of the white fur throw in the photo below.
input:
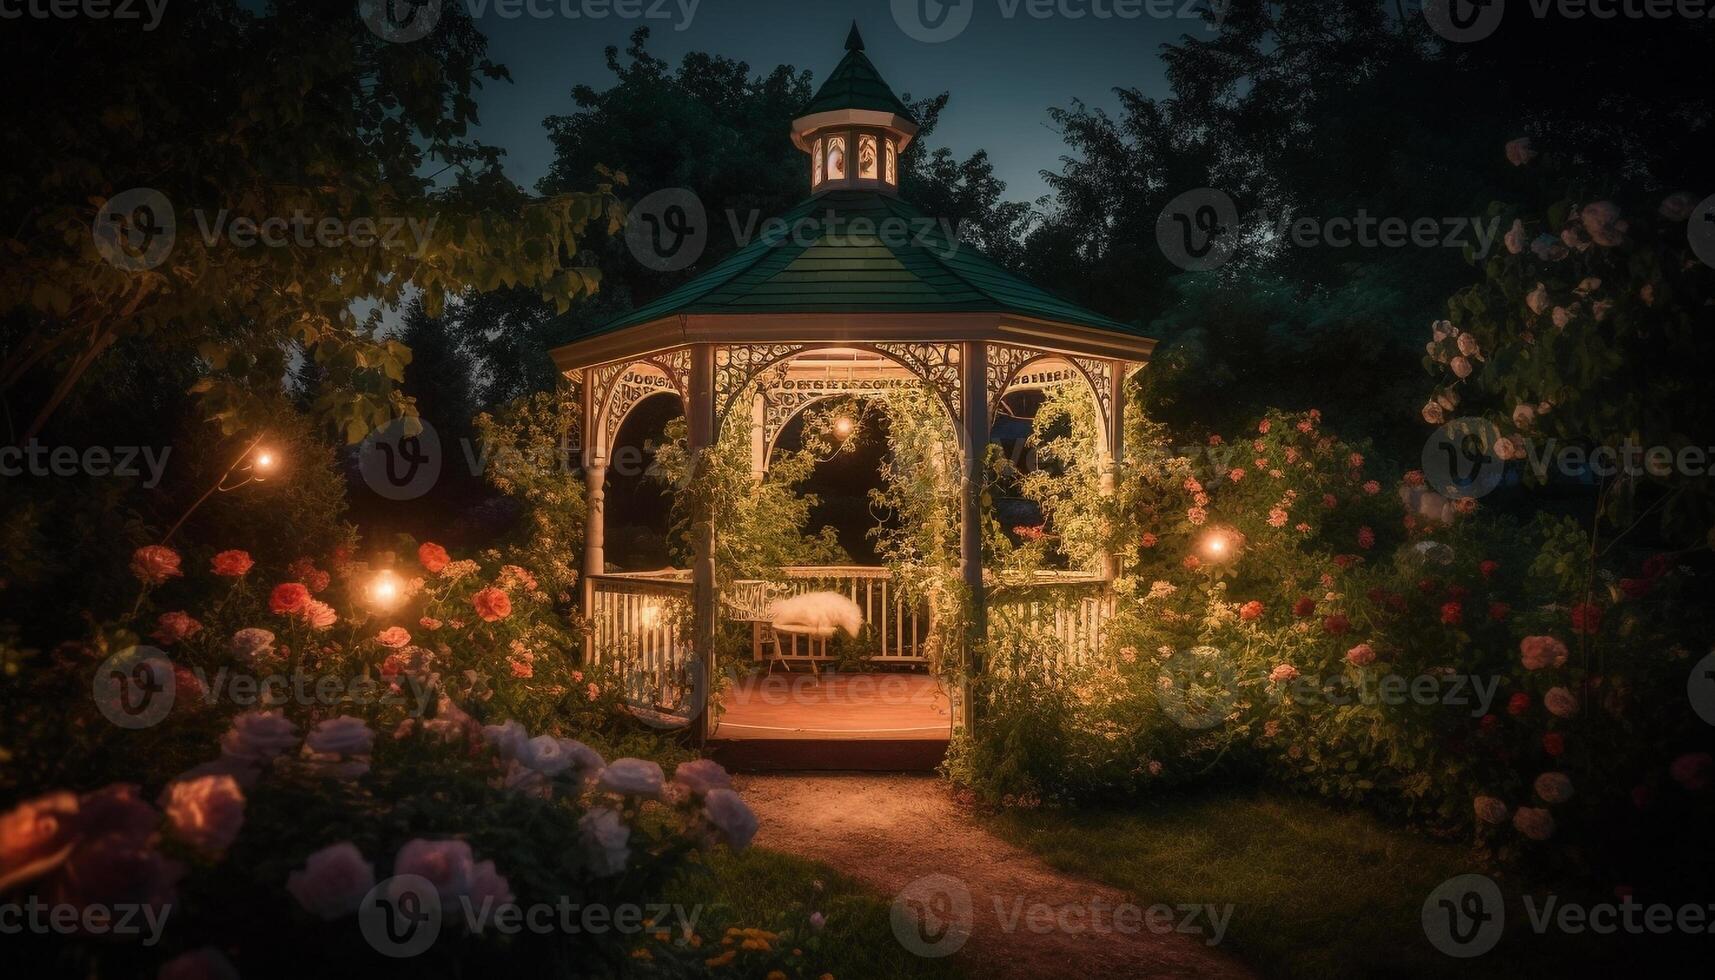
(817, 612)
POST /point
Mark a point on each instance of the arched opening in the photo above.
(848, 438)
(639, 505)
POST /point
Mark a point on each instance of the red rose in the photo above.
(492, 604)
(154, 564)
(289, 597)
(1336, 624)
(1655, 566)
(1148, 540)
(316, 579)
(1489, 568)
(231, 564)
(1346, 561)
(1377, 596)
(1193, 563)
(186, 682)
(1518, 704)
(1489, 723)
(172, 627)
(1586, 618)
(1329, 501)
(1499, 611)
(1250, 611)
(1554, 744)
(1366, 538)
(1427, 586)
(433, 557)
(1304, 606)
(1457, 593)
(1396, 602)
(1452, 614)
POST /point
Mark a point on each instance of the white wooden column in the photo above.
(974, 413)
(1115, 458)
(595, 505)
(701, 436)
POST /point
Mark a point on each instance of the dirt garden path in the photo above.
(892, 830)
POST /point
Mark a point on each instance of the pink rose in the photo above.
(231, 564)
(446, 864)
(1282, 673)
(1490, 810)
(393, 637)
(205, 812)
(333, 881)
(1538, 652)
(36, 836)
(632, 777)
(1519, 152)
(1560, 702)
(1554, 787)
(154, 564)
(1361, 655)
(1534, 822)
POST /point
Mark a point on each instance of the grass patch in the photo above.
(1317, 890)
(776, 891)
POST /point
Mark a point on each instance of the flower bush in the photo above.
(332, 726)
(1290, 612)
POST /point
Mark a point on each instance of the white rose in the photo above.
(259, 736)
(546, 755)
(632, 777)
(604, 836)
(733, 821)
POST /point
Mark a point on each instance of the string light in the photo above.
(384, 590)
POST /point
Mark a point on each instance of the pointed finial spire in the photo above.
(854, 40)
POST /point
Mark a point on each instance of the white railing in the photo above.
(639, 621)
(1063, 615)
(900, 627)
(639, 625)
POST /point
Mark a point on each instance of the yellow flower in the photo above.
(775, 975)
(641, 954)
(721, 960)
(662, 936)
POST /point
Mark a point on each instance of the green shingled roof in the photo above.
(855, 84)
(920, 269)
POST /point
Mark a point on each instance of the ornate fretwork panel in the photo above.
(783, 398)
(937, 364)
(1004, 362)
(617, 388)
(737, 365)
(1101, 375)
(572, 405)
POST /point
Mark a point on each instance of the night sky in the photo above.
(1003, 73)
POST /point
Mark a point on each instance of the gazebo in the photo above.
(866, 293)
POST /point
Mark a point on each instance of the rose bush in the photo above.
(1313, 622)
(325, 734)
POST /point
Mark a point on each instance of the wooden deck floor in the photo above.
(836, 721)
